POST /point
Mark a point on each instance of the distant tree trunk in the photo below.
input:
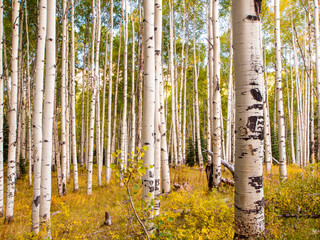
(148, 103)
(197, 112)
(278, 85)
(125, 90)
(73, 104)
(57, 152)
(63, 101)
(37, 114)
(109, 137)
(173, 98)
(184, 126)
(47, 131)
(230, 101)
(317, 47)
(1, 111)
(209, 77)
(92, 105)
(248, 62)
(293, 156)
(11, 172)
(133, 104)
(83, 129)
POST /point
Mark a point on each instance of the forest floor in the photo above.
(188, 213)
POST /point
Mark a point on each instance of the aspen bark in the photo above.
(63, 101)
(37, 115)
(133, 103)
(278, 85)
(11, 172)
(92, 106)
(125, 90)
(248, 69)
(109, 137)
(1, 111)
(73, 104)
(148, 102)
(47, 131)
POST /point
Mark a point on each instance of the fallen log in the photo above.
(289, 215)
(229, 166)
(227, 181)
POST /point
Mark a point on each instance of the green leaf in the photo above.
(136, 186)
(170, 219)
(112, 165)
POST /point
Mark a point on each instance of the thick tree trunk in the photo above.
(37, 115)
(47, 131)
(249, 200)
(148, 179)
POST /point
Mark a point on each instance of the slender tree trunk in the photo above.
(109, 137)
(1, 111)
(57, 152)
(280, 111)
(82, 152)
(11, 172)
(249, 201)
(63, 101)
(47, 130)
(125, 87)
(37, 115)
(133, 104)
(73, 104)
(92, 106)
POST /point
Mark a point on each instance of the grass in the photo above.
(192, 214)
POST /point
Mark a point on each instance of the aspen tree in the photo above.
(133, 104)
(317, 63)
(11, 172)
(148, 101)
(82, 152)
(73, 104)
(184, 126)
(230, 100)
(47, 131)
(125, 87)
(37, 114)
(1, 110)
(278, 85)
(293, 156)
(63, 100)
(196, 104)
(109, 137)
(173, 98)
(248, 69)
(92, 104)
(216, 99)
(97, 85)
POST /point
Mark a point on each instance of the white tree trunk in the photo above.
(63, 101)
(248, 69)
(125, 90)
(73, 104)
(11, 172)
(280, 111)
(92, 106)
(148, 101)
(37, 114)
(133, 104)
(47, 131)
(1, 110)
(109, 137)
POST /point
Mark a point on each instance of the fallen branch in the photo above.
(55, 213)
(229, 166)
(227, 181)
(288, 215)
(275, 160)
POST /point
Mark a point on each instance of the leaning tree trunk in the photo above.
(37, 115)
(11, 172)
(280, 111)
(148, 101)
(47, 131)
(248, 69)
